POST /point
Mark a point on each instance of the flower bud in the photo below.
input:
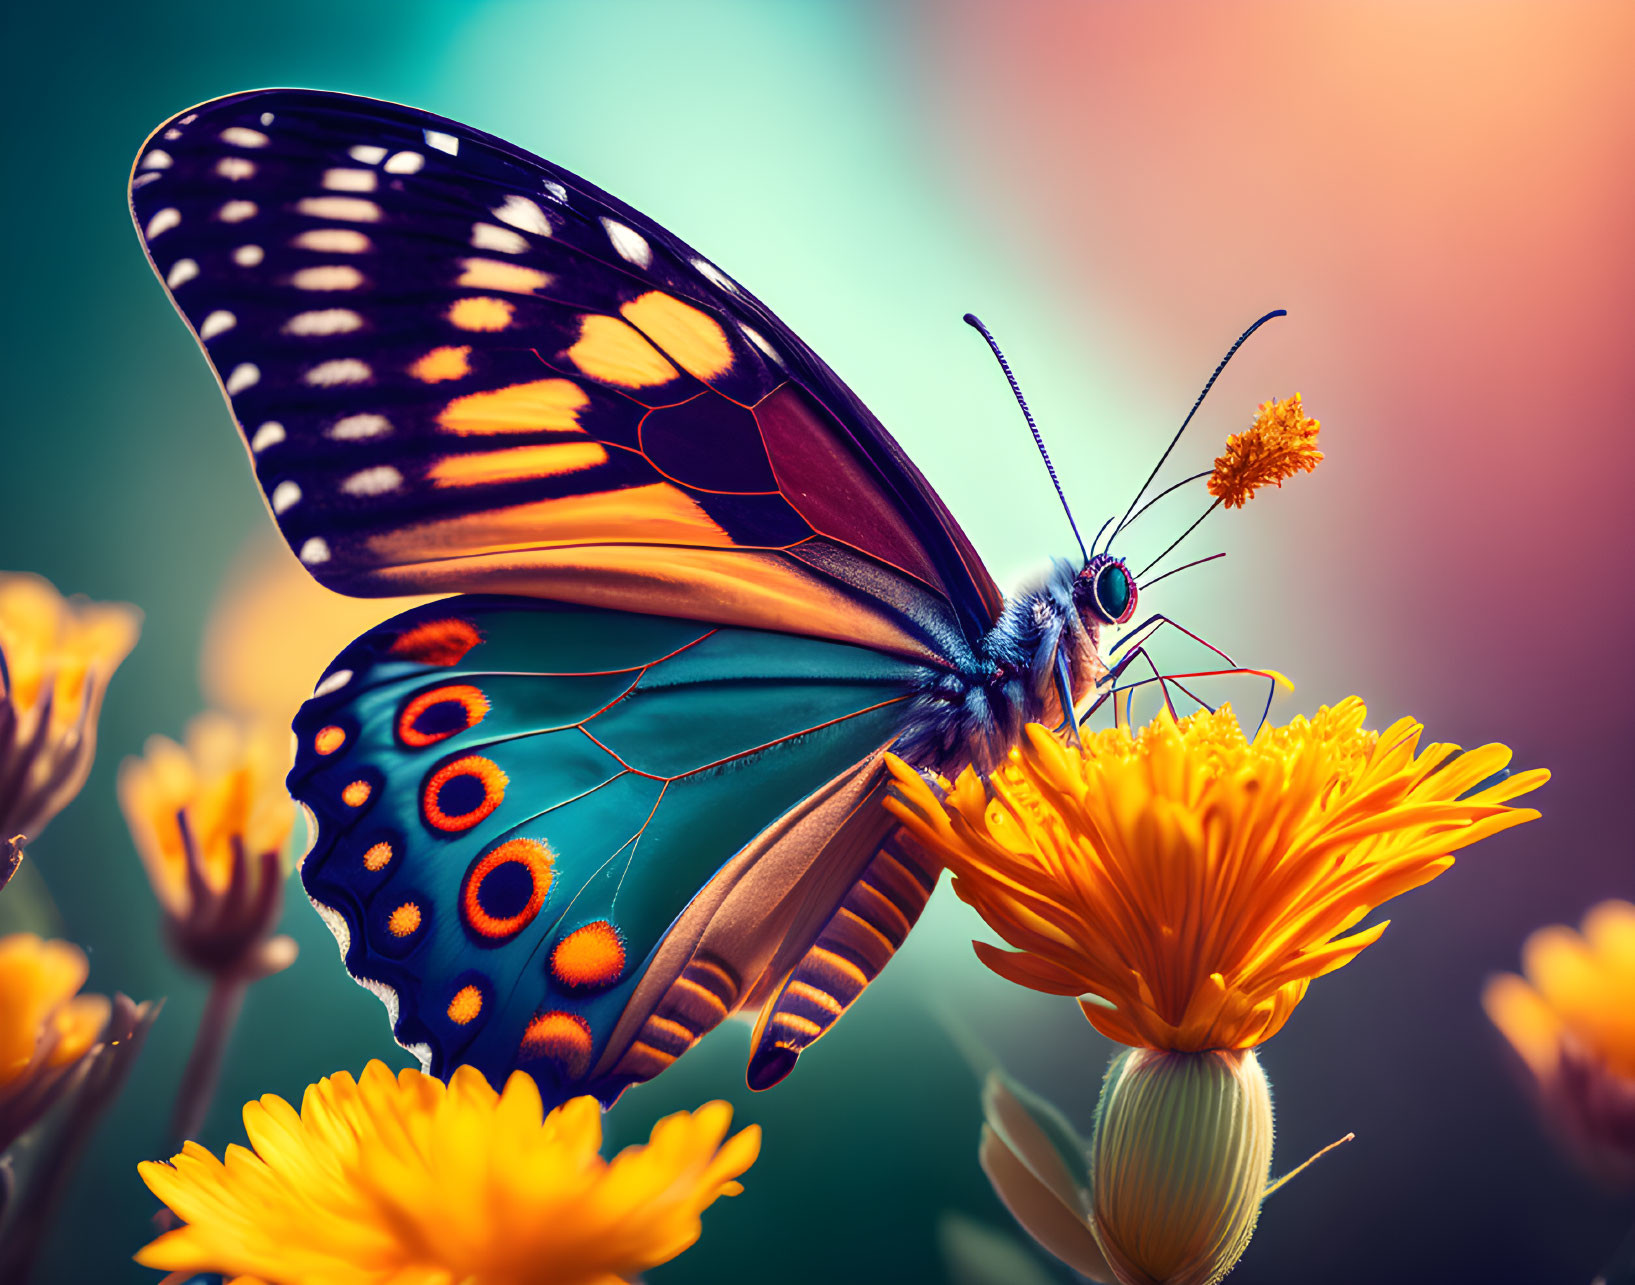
(1179, 1162)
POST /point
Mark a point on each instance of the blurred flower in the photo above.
(274, 629)
(1280, 443)
(46, 1028)
(56, 657)
(1572, 1020)
(400, 1178)
(11, 857)
(1190, 882)
(1187, 883)
(211, 821)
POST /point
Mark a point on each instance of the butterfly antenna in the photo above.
(1230, 352)
(1038, 439)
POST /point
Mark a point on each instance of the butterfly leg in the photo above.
(1064, 693)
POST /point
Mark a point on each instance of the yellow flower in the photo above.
(1189, 882)
(399, 1179)
(46, 1026)
(1280, 443)
(1572, 1020)
(211, 822)
(56, 657)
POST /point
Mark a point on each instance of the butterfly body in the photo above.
(627, 783)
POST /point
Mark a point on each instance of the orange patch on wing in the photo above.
(470, 699)
(492, 274)
(486, 775)
(329, 739)
(589, 956)
(356, 794)
(404, 921)
(542, 405)
(517, 463)
(437, 642)
(563, 1038)
(481, 313)
(610, 351)
(466, 1005)
(442, 364)
(378, 857)
(693, 338)
(540, 861)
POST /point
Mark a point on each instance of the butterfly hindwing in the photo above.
(518, 805)
(458, 367)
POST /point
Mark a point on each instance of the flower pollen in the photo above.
(1280, 443)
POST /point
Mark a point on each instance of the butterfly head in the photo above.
(1104, 592)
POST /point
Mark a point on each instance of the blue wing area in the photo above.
(515, 802)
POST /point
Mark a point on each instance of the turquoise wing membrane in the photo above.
(526, 816)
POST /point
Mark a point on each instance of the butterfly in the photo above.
(627, 783)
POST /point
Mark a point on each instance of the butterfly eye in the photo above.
(1115, 592)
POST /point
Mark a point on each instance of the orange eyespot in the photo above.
(563, 1038)
(378, 857)
(329, 739)
(466, 1005)
(589, 956)
(505, 888)
(356, 794)
(437, 642)
(440, 713)
(463, 792)
(404, 921)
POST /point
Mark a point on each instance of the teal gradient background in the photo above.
(1441, 195)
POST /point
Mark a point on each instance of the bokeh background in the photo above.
(1441, 195)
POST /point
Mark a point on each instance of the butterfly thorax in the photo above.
(974, 715)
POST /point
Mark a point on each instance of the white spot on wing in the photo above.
(181, 272)
(485, 236)
(244, 375)
(555, 191)
(714, 275)
(237, 211)
(157, 159)
(349, 209)
(269, 434)
(239, 136)
(341, 677)
(522, 213)
(266, 118)
(331, 276)
(163, 221)
(759, 340)
(367, 154)
(248, 256)
(218, 322)
(405, 163)
(235, 167)
(333, 920)
(347, 180)
(340, 370)
(373, 481)
(355, 428)
(443, 142)
(142, 180)
(313, 552)
(333, 240)
(173, 134)
(323, 321)
(631, 245)
(285, 496)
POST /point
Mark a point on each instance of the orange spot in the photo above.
(693, 338)
(329, 739)
(356, 794)
(378, 857)
(543, 404)
(485, 772)
(481, 313)
(466, 1004)
(491, 274)
(614, 353)
(517, 463)
(442, 363)
(437, 642)
(404, 921)
(589, 956)
(537, 856)
(470, 699)
(564, 1038)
